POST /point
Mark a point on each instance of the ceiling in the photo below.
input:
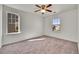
(31, 8)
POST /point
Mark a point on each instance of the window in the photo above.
(13, 23)
(56, 24)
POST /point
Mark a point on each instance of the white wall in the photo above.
(68, 26)
(0, 25)
(31, 26)
(78, 27)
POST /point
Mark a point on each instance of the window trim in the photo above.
(19, 31)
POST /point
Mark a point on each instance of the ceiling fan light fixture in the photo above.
(42, 11)
(43, 8)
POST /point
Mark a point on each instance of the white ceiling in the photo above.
(31, 8)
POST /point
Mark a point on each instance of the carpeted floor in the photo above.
(42, 45)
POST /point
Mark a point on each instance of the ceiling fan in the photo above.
(43, 8)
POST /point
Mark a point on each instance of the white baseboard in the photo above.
(24, 39)
(78, 46)
(63, 38)
(0, 41)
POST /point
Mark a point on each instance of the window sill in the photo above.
(14, 33)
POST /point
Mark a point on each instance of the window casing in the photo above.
(13, 23)
(56, 24)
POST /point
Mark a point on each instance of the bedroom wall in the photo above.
(0, 25)
(31, 26)
(68, 26)
(78, 27)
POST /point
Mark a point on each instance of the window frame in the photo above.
(19, 31)
(56, 24)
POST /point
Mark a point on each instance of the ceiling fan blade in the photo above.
(49, 5)
(49, 10)
(38, 6)
(37, 10)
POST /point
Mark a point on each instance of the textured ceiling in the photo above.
(31, 8)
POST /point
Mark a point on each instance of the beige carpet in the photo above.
(42, 45)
